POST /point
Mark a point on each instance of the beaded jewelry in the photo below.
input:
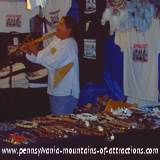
(16, 138)
(26, 124)
(85, 117)
(30, 137)
(6, 126)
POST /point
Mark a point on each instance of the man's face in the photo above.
(61, 30)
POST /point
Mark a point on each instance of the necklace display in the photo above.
(23, 137)
(16, 138)
(26, 124)
(101, 124)
(6, 126)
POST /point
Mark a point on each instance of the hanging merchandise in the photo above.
(91, 40)
(128, 14)
(140, 14)
(117, 4)
(90, 6)
(14, 16)
(6, 126)
(31, 4)
(140, 61)
(115, 13)
(54, 11)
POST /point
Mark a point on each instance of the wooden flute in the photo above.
(36, 41)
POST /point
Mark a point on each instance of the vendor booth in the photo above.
(118, 56)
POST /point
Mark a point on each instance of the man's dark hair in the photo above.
(71, 23)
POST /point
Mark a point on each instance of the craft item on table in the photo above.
(88, 108)
(147, 109)
(148, 120)
(65, 126)
(43, 120)
(63, 118)
(114, 124)
(16, 138)
(137, 121)
(100, 128)
(60, 127)
(156, 111)
(156, 122)
(85, 116)
(30, 136)
(115, 127)
(68, 130)
(57, 130)
(121, 112)
(102, 102)
(48, 133)
(6, 126)
(26, 124)
(87, 124)
(93, 130)
(111, 138)
(23, 137)
(113, 104)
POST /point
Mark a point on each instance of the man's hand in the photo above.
(30, 47)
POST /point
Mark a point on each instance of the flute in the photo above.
(36, 41)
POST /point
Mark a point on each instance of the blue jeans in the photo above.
(61, 105)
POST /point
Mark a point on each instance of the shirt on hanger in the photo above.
(140, 61)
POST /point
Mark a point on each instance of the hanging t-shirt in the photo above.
(54, 10)
(140, 61)
(15, 17)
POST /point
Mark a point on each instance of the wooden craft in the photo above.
(36, 41)
(118, 104)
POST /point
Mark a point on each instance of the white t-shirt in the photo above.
(55, 10)
(66, 52)
(140, 61)
(15, 17)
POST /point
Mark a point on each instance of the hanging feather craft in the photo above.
(124, 15)
(140, 15)
(114, 13)
(117, 4)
